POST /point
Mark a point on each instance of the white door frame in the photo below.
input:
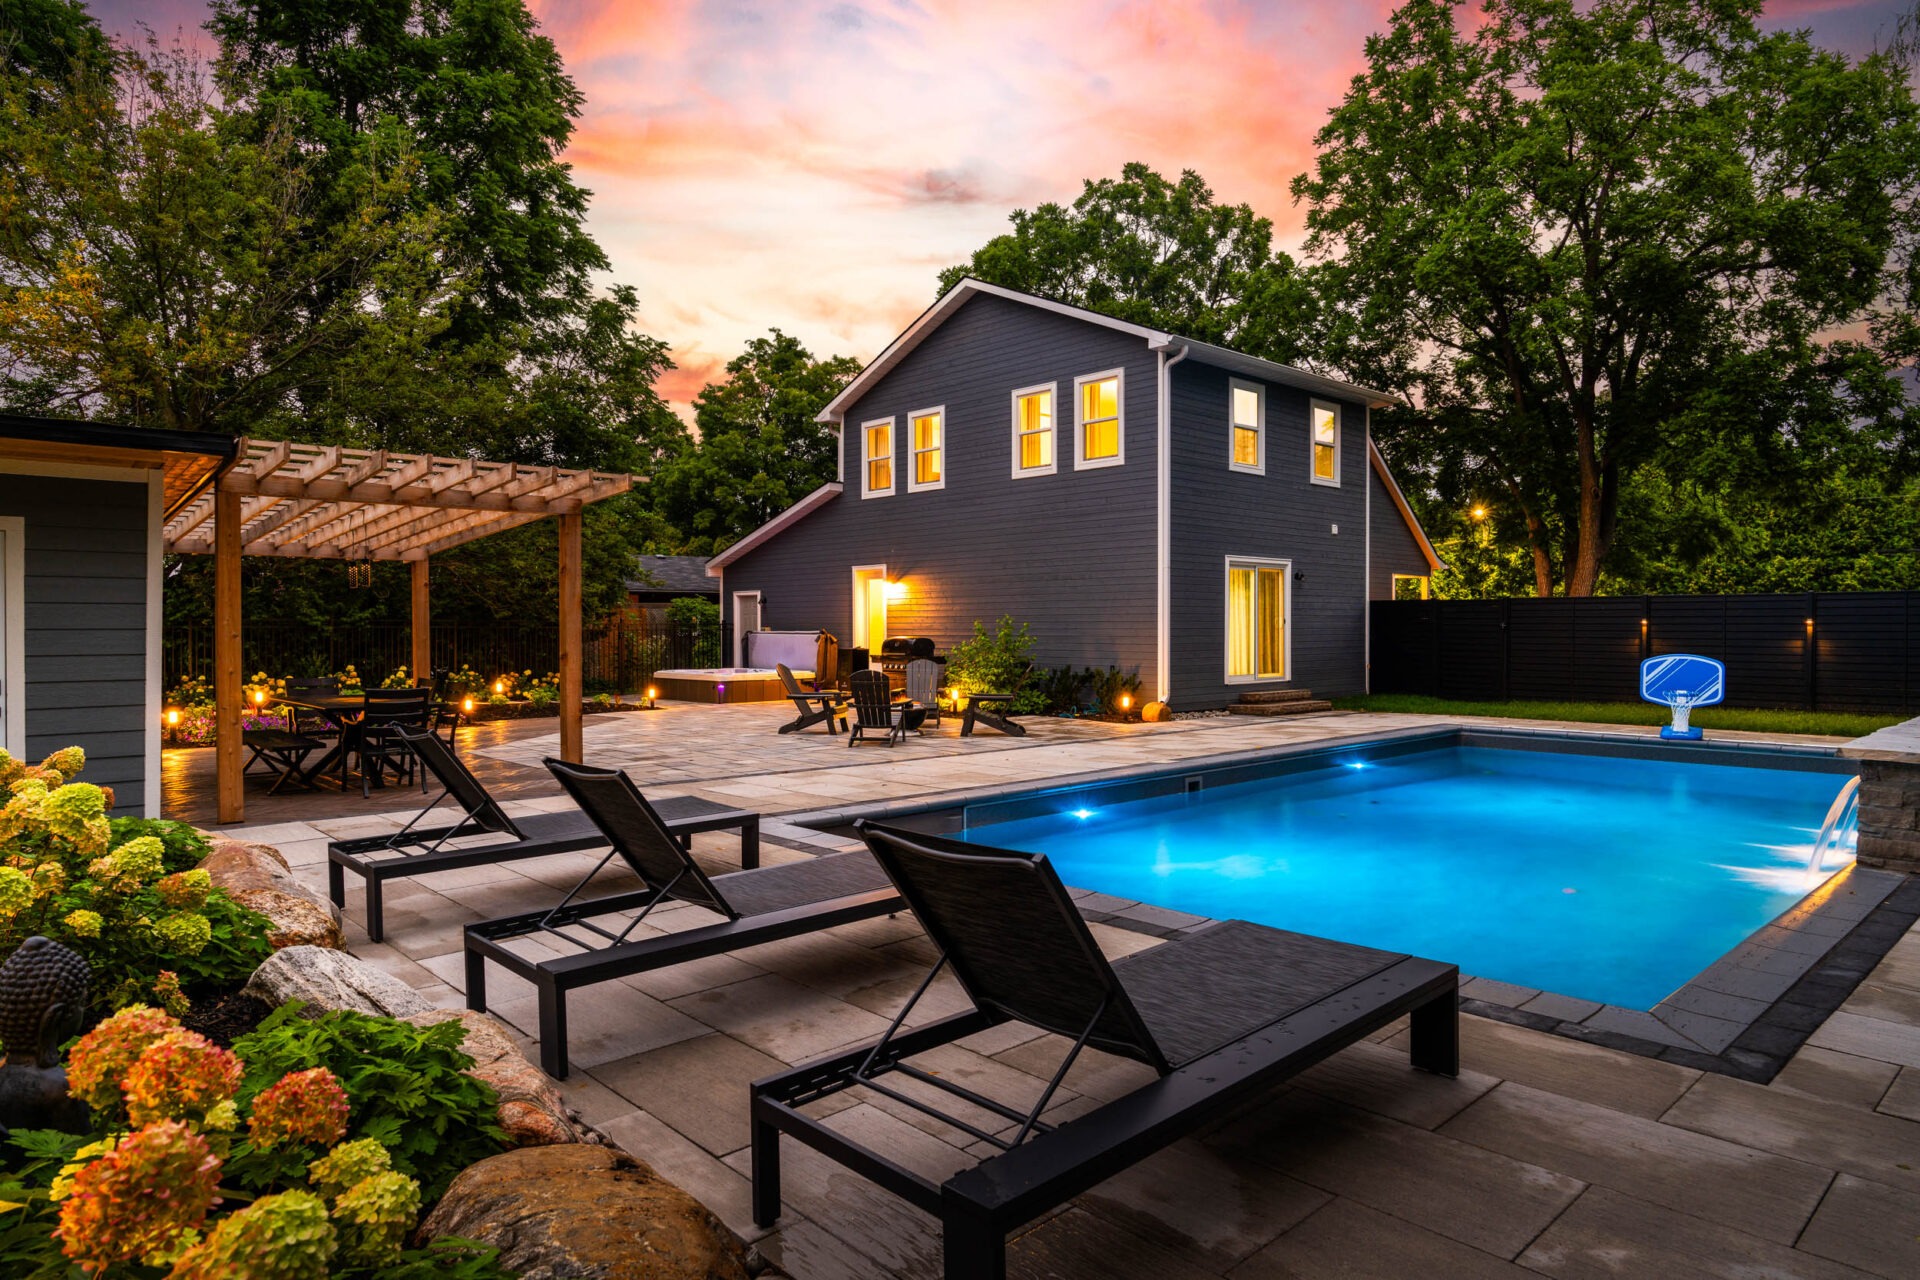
(740, 632)
(13, 664)
(1286, 618)
(858, 631)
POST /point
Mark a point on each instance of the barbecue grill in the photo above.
(897, 651)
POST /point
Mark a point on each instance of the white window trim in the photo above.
(1080, 460)
(1259, 468)
(1339, 445)
(893, 457)
(1053, 389)
(1286, 618)
(914, 486)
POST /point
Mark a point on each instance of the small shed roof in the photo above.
(187, 460)
(327, 502)
(673, 575)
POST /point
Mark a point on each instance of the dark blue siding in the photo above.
(1072, 554)
(1219, 513)
(1394, 547)
(86, 612)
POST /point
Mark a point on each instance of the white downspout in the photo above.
(1366, 558)
(1163, 527)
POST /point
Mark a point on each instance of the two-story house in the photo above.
(1215, 521)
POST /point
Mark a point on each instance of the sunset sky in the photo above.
(812, 165)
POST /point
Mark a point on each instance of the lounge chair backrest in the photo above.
(923, 681)
(637, 834)
(1015, 940)
(467, 791)
(787, 678)
(872, 698)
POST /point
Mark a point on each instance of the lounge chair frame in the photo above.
(419, 850)
(609, 955)
(1042, 1167)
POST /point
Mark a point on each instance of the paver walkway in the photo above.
(1546, 1157)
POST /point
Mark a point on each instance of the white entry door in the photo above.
(746, 617)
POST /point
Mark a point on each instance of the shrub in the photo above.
(119, 893)
(997, 661)
(405, 1085)
(399, 678)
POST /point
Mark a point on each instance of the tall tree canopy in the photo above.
(1157, 253)
(1580, 234)
(760, 450)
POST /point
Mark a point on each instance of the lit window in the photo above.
(1408, 586)
(1324, 420)
(877, 479)
(1033, 431)
(1256, 620)
(927, 427)
(1247, 414)
(1101, 438)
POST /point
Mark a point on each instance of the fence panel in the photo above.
(1827, 651)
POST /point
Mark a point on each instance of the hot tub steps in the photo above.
(1279, 702)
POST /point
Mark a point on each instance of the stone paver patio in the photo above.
(1547, 1156)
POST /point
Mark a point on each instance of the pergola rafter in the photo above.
(327, 502)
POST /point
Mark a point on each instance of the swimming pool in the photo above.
(1606, 877)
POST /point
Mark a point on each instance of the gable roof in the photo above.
(1205, 352)
(1406, 512)
(792, 515)
(681, 575)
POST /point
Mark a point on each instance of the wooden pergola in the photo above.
(321, 502)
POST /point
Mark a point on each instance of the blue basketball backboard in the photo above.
(1683, 680)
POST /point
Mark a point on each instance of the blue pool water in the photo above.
(1611, 879)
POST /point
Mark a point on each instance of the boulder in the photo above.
(531, 1110)
(585, 1213)
(328, 979)
(257, 877)
(1155, 712)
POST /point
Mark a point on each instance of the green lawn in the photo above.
(1834, 723)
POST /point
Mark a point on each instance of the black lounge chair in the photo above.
(814, 708)
(417, 850)
(1222, 1014)
(762, 905)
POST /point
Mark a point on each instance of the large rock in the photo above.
(531, 1110)
(257, 877)
(328, 980)
(585, 1213)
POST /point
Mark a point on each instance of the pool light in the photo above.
(1082, 814)
(1356, 764)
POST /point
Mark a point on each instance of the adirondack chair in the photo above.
(875, 711)
(923, 686)
(814, 708)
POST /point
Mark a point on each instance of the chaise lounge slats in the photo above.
(801, 884)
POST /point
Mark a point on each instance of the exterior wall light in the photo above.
(896, 591)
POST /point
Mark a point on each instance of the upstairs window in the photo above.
(1323, 421)
(1033, 431)
(928, 429)
(1101, 439)
(1247, 425)
(876, 479)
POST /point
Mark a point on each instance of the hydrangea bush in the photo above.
(122, 893)
(181, 1184)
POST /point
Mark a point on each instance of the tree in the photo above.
(551, 369)
(44, 38)
(1574, 234)
(157, 269)
(1156, 253)
(760, 450)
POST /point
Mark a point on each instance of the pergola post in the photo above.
(572, 745)
(422, 665)
(226, 655)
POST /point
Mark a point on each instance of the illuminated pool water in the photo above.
(1607, 878)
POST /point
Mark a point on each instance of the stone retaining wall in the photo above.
(1889, 796)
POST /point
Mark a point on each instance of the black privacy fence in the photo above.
(618, 658)
(1819, 651)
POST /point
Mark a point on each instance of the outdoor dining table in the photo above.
(339, 710)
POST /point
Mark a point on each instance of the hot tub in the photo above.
(723, 684)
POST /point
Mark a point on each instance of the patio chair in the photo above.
(923, 686)
(417, 850)
(875, 709)
(815, 708)
(761, 905)
(376, 738)
(314, 726)
(1221, 1015)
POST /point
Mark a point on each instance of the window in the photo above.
(928, 430)
(876, 478)
(1101, 440)
(1409, 586)
(1247, 423)
(1257, 640)
(1033, 431)
(1323, 421)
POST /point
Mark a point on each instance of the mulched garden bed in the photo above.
(224, 1019)
(518, 710)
